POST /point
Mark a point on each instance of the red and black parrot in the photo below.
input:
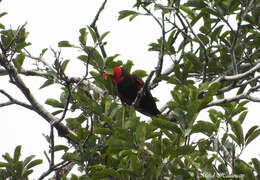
(128, 86)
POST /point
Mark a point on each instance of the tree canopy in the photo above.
(213, 47)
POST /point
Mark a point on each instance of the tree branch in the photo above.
(14, 101)
(245, 95)
(161, 54)
(238, 76)
(37, 107)
(94, 26)
(142, 90)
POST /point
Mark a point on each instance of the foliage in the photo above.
(16, 169)
(214, 46)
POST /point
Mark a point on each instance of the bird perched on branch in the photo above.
(128, 86)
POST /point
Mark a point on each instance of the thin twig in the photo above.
(90, 132)
(47, 157)
(161, 54)
(51, 146)
(238, 76)
(94, 27)
(40, 59)
(55, 167)
(14, 101)
(143, 90)
(155, 18)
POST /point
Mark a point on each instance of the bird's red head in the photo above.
(116, 77)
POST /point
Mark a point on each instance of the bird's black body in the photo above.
(128, 89)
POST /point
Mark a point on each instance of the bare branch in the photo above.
(236, 98)
(47, 157)
(161, 54)
(94, 26)
(40, 59)
(142, 90)
(14, 101)
(55, 167)
(38, 108)
(155, 18)
(226, 100)
(76, 80)
(239, 76)
(51, 147)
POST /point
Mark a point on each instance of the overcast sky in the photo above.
(52, 21)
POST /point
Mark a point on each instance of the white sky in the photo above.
(52, 21)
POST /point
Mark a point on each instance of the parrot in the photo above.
(128, 85)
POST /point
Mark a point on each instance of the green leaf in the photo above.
(238, 131)
(109, 71)
(133, 16)
(34, 163)
(103, 36)
(95, 59)
(28, 159)
(3, 14)
(223, 168)
(140, 133)
(43, 52)
(183, 150)
(203, 38)
(140, 73)
(216, 32)
(123, 14)
(189, 12)
(196, 3)
(256, 164)
(110, 61)
(243, 169)
(27, 173)
(18, 61)
(164, 124)
(83, 58)
(7, 157)
(64, 64)
(93, 34)
(194, 60)
(75, 157)
(54, 103)
(83, 36)
(60, 148)
(253, 135)
(64, 44)
(47, 83)
(3, 164)
(57, 112)
(212, 90)
(250, 131)
(106, 172)
(204, 127)
(102, 131)
(2, 26)
(128, 65)
(17, 153)
(242, 117)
